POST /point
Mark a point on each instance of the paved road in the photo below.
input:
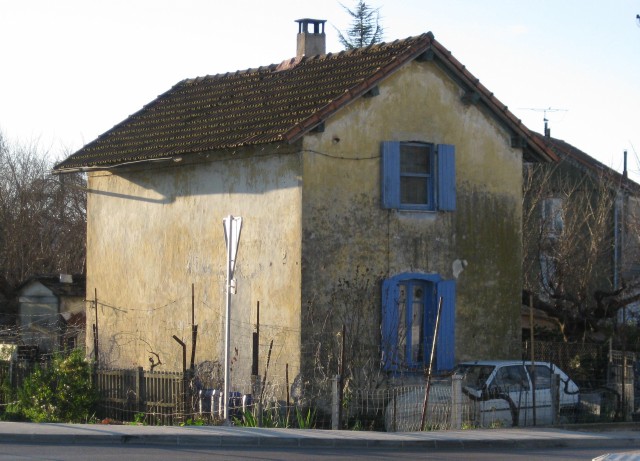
(199, 442)
(61, 452)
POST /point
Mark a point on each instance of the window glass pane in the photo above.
(542, 376)
(415, 174)
(553, 216)
(414, 190)
(475, 376)
(415, 159)
(417, 336)
(512, 378)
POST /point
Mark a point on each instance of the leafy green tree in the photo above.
(365, 27)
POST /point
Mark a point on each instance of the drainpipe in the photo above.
(616, 241)
(618, 230)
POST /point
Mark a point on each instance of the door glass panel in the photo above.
(402, 323)
(417, 322)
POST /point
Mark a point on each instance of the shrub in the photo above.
(62, 392)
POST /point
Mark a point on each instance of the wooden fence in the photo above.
(158, 398)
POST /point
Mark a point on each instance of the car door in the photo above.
(541, 378)
(508, 399)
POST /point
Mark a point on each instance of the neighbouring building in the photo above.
(581, 241)
(51, 312)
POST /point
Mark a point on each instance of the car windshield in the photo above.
(475, 376)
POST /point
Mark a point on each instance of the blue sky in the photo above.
(74, 68)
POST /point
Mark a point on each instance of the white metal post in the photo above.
(232, 227)
(227, 338)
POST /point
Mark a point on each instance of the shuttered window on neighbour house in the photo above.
(553, 216)
(409, 311)
(418, 176)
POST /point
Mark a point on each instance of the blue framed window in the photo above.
(409, 310)
(418, 176)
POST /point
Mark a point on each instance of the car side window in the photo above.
(512, 377)
(541, 375)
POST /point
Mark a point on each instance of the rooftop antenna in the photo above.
(547, 130)
(635, 154)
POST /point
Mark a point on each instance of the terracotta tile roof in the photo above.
(276, 103)
(566, 151)
(76, 288)
(75, 319)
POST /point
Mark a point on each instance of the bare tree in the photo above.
(42, 217)
(573, 249)
(351, 305)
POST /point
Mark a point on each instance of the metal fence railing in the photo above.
(606, 380)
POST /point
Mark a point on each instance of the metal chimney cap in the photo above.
(318, 25)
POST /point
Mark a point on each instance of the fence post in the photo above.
(221, 404)
(186, 397)
(213, 403)
(555, 397)
(456, 401)
(256, 386)
(336, 403)
(139, 384)
(627, 385)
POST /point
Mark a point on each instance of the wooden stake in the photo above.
(433, 349)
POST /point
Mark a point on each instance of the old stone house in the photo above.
(371, 184)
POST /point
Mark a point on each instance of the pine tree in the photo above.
(365, 27)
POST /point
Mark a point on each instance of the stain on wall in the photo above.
(312, 225)
(345, 227)
(154, 233)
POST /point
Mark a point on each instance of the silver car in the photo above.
(495, 393)
(506, 392)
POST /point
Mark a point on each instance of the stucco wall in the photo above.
(345, 228)
(314, 238)
(155, 230)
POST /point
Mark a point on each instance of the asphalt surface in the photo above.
(625, 436)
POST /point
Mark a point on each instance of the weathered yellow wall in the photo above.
(312, 218)
(345, 227)
(154, 231)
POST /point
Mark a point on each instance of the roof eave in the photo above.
(529, 142)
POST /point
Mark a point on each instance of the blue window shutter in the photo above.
(446, 177)
(445, 346)
(389, 325)
(390, 174)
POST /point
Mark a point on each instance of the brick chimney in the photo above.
(311, 37)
